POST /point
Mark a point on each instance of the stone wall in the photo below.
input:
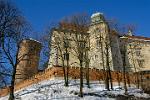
(74, 73)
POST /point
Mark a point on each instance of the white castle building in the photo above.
(101, 47)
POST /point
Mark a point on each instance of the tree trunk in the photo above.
(104, 71)
(87, 70)
(64, 72)
(138, 81)
(118, 79)
(11, 96)
(124, 77)
(67, 73)
(107, 81)
(110, 78)
(108, 67)
(81, 79)
(87, 74)
(128, 79)
(141, 79)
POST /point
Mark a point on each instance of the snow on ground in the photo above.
(54, 89)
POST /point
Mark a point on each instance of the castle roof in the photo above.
(96, 14)
(139, 38)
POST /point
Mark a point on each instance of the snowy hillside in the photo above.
(54, 89)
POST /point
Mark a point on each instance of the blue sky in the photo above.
(41, 13)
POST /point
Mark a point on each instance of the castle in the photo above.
(100, 46)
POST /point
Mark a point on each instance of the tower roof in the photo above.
(96, 14)
(97, 18)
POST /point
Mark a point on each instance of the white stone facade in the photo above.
(101, 43)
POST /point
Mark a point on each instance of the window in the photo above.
(98, 30)
(79, 37)
(138, 53)
(96, 56)
(66, 56)
(140, 63)
(98, 43)
(66, 43)
(32, 48)
(82, 45)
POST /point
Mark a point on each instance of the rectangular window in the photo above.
(138, 53)
(82, 45)
(98, 43)
(96, 56)
(140, 63)
(66, 56)
(66, 43)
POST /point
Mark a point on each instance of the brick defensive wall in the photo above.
(74, 73)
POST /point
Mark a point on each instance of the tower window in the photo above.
(138, 53)
(140, 63)
(96, 56)
(66, 43)
(66, 56)
(98, 43)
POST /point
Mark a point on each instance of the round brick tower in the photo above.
(29, 54)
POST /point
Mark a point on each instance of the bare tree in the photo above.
(12, 25)
(124, 56)
(126, 30)
(45, 52)
(135, 51)
(80, 49)
(80, 43)
(60, 44)
(106, 49)
(100, 45)
(108, 67)
(45, 39)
